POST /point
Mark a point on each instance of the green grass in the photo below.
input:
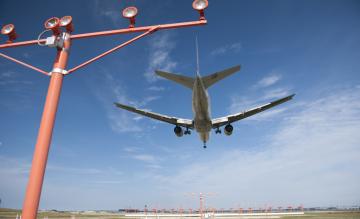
(327, 215)
(11, 214)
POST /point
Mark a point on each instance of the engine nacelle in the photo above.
(228, 129)
(178, 131)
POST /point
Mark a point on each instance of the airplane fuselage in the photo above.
(201, 109)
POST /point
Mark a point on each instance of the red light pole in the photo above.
(62, 42)
(38, 166)
(202, 208)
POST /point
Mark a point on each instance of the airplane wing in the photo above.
(187, 123)
(218, 122)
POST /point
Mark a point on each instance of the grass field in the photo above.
(333, 215)
(10, 213)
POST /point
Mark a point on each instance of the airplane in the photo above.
(202, 121)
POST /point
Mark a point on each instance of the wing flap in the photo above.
(242, 115)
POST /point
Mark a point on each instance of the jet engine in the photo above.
(178, 131)
(228, 129)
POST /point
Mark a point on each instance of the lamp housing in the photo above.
(130, 13)
(67, 23)
(9, 30)
(200, 6)
(53, 24)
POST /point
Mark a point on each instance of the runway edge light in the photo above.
(200, 6)
(9, 30)
(130, 13)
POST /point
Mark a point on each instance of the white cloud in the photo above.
(242, 103)
(276, 93)
(156, 88)
(269, 114)
(13, 166)
(11, 78)
(268, 80)
(131, 149)
(19, 91)
(146, 101)
(108, 11)
(154, 166)
(73, 170)
(13, 173)
(113, 15)
(312, 158)
(235, 47)
(145, 158)
(161, 46)
(7, 74)
(137, 118)
(111, 90)
(108, 182)
(26, 55)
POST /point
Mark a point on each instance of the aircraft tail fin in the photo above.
(197, 57)
(180, 79)
(217, 76)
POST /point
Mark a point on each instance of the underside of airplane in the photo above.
(202, 121)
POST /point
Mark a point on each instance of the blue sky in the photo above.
(304, 152)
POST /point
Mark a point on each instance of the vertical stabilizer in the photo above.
(197, 57)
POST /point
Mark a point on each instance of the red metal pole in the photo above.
(112, 50)
(201, 206)
(111, 32)
(24, 64)
(33, 191)
(139, 29)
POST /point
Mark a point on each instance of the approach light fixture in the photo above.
(66, 22)
(130, 13)
(200, 6)
(9, 30)
(53, 24)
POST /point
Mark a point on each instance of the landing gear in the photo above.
(204, 145)
(217, 131)
(187, 132)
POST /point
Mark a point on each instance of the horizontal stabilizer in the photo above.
(180, 79)
(217, 76)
